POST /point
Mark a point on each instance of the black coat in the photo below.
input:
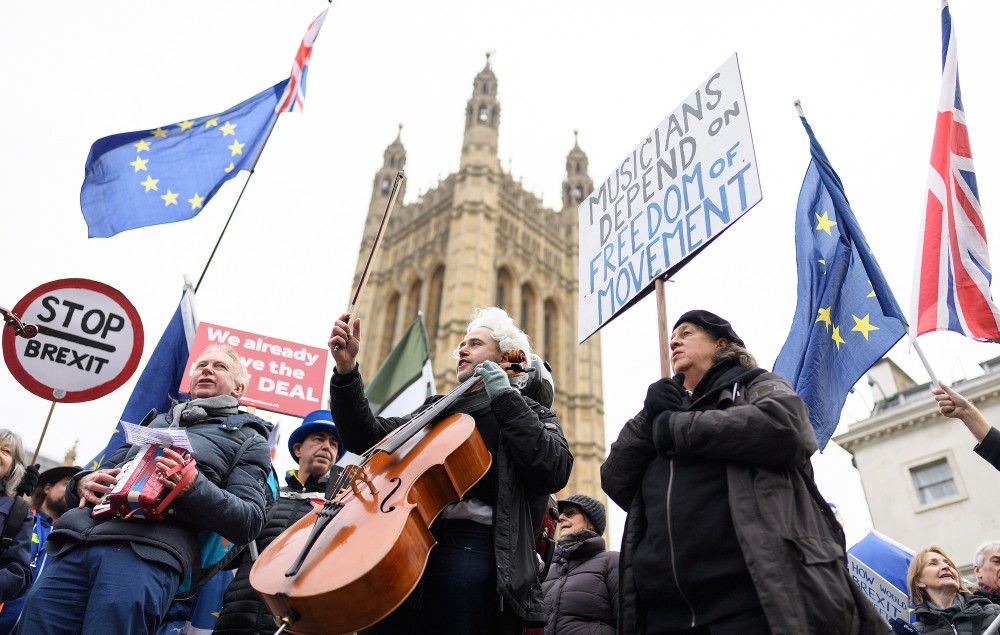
(760, 430)
(243, 610)
(236, 512)
(532, 461)
(581, 591)
(969, 615)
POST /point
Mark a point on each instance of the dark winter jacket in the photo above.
(243, 610)
(236, 512)
(532, 461)
(758, 428)
(968, 615)
(989, 447)
(15, 574)
(581, 590)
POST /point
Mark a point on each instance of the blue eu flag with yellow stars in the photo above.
(149, 177)
(846, 318)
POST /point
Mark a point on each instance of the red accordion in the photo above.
(138, 492)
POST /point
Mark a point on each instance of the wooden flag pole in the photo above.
(38, 447)
(661, 323)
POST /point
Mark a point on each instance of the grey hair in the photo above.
(240, 373)
(980, 557)
(18, 463)
(505, 331)
(732, 350)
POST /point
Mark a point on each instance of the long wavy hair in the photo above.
(18, 463)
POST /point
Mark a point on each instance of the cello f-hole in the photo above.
(381, 507)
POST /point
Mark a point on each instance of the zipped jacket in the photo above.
(759, 429)
(969, 615)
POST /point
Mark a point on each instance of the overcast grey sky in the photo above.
(868, 75)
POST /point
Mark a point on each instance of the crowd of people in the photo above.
(726, 532)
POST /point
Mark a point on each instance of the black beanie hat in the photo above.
(712, 323)
(592, 508)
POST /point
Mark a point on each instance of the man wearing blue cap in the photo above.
(316, 446)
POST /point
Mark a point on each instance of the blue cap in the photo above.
(316, 421)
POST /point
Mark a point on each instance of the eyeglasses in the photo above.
(569, 512)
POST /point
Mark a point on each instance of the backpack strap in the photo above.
(15, 517)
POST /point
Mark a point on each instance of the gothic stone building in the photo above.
(480, 239)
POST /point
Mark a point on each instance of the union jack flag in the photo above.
(294, 96)
(953, 274)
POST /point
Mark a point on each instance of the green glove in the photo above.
(495, 379)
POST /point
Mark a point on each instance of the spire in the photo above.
(393, 160)
(577, 183)
(482, 121)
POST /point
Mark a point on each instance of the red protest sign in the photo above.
(285, 377)
(89, 341)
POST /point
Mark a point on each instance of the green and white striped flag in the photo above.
(405, 379)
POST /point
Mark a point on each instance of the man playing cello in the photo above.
(482, 577)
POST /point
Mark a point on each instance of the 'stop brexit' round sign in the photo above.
(89, 341)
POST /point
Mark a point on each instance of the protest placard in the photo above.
(690, 178)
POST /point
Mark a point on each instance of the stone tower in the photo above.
(480, 239)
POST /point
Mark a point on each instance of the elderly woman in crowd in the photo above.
(581, 589)
(943, 605)
(726, 532)
(15, 573)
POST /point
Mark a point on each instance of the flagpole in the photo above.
(38, 447)
(253, 166)
(927, 366)
(661, 323)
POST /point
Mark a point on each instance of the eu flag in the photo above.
(846, 318)
(149, 177)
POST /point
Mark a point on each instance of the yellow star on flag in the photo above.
(170, 198)
(236, 148)
(872, 294)
(824, 317)
(185, 125)
(836, 337)
(823, 223)
(139, 164)
(863, 326)
(159, 132)
(214, 121)
(228, 129)
(196, 201)
(230, 168)
(150, 183)
(142, 145)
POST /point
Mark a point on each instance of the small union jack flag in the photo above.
(953, 274)
(295, 93)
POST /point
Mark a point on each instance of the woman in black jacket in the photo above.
(581, 589)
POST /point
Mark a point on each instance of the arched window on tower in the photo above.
(528, 300)
(436, 291)
(505, 288)
(412, 301)
(578, 168)
(392, 162)
(486, 88)
(388, 327)
(550, 331)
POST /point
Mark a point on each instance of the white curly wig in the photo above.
(505, 331)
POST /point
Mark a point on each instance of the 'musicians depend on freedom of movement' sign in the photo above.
(689, 179)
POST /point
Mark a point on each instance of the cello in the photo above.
(356, 558)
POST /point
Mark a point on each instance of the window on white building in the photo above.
(934, 481)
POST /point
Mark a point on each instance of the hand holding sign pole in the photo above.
(88, 343)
